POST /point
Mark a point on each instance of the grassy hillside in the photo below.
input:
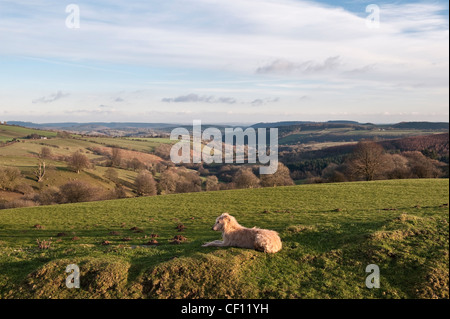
(330, 233)
(24, 153)
(8, 132)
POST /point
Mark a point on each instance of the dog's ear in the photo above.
(226, 216)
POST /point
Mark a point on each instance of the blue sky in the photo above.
(224, 61)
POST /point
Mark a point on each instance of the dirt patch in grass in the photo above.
(99, 278)
(180, 227)
(215, 275)
(180, 238)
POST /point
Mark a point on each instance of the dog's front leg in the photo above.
(216, 243)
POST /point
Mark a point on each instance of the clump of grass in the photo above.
(404, 217)
(44, 244)
(99, 278)
(299, 228)
(201, 276)
(392, 235)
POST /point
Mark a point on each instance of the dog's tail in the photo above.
(268, 242)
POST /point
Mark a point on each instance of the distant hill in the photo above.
(125, 125)
(422, 125)
(278, 124)
(90, 125)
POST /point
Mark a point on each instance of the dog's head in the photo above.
(222, 221)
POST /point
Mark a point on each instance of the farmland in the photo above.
(23, 153)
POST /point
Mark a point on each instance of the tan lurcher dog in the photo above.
(238, 236)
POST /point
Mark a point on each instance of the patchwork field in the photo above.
(24, 155)
(330, 233)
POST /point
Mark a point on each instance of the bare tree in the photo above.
(78, 162)
(112, 175)
(39, 172)
(8, 177)
(281, 177)
(116, 157)
(45, 152)
(367, 160)
(145, 184)
(78, 191)
(397, 167)
(244, 178)
(168, 181)
(212, 183)
(163, 151)
(135, 164)
(422, 166)
(189, 181)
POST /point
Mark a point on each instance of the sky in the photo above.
(224, 61)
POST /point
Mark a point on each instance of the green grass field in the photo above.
(330, 233)
(145, 145)
(8, 132)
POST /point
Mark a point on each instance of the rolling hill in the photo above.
(21, 152)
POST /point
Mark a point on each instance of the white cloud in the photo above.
(194, 98)
(308, 67)
(51, 98)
